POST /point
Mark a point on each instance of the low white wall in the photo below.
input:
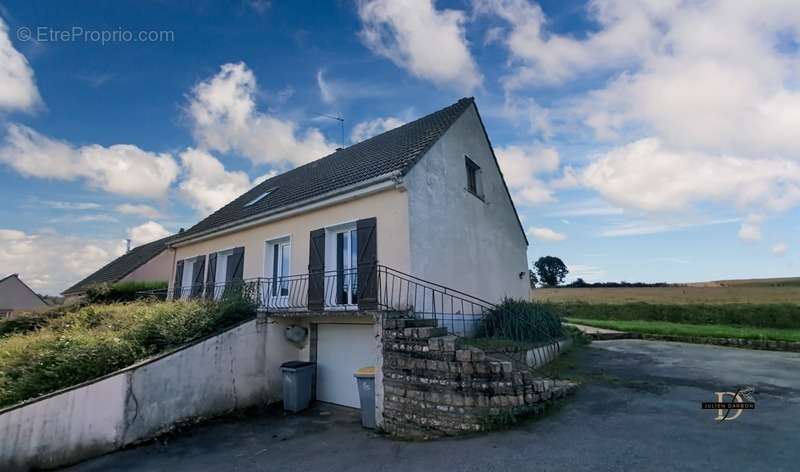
(542, 355)
(228, 371)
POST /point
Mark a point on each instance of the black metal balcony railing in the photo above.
(381, 289)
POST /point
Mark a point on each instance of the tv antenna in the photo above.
(337, 118)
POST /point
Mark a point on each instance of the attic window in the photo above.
(259, 198)
(473, 177)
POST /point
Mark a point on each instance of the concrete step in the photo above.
(403, 323)
(425, 332)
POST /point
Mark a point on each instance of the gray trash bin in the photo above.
(365, 377)
(297, 379)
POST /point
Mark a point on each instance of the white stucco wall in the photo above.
(237, 368)
(390, 207)
(457, 239)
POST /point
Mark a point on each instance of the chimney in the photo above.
(128, 245)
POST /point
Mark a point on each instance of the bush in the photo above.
(122, 291)
(767, 315)
(31, 321)
(520, 320)
(99, 339)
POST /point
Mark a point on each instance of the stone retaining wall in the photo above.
(435, 387)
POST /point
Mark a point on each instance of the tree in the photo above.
(552, 270)
(532, 276)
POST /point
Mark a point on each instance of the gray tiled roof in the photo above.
(121, 266)
(395, 150)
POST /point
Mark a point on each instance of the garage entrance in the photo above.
(341, 350)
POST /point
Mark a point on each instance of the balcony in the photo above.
(371, 288)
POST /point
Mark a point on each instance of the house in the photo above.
(148, 262)
(417, 218)
(16, 295)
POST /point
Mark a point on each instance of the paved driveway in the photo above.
(639, 409)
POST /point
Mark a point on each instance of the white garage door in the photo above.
(341, 350)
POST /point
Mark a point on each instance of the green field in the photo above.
(746, 309)
(785, 290)
(684, 329)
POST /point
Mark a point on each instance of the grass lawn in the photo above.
(681, 329)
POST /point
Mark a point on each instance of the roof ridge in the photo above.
(371, 138)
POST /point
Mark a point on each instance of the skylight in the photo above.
(259, 198)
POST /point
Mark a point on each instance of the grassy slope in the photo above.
(684, 329)
(99, 339)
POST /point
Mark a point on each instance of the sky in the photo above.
(652, 140)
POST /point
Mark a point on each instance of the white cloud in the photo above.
(780, 249)
(428, 43)
(90, 218)
(224, 118)
(206, 185)
(522, 166)
(77, 206)
(122, 169)
(324, 89)
(625, 31)
(546, 234)
(17, 87)
(648, 176)
(709, 109)
(750, 230)
(586, 272)
(50, 262)
(644, 227)
(146, 233)
(370, 128)
(592, 207)
(138, 209)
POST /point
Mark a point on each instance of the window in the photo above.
(347, 267)
(279, 254)
(473, 177)
(341, 265)
(280, 269)
(186, 281)
(259, 198)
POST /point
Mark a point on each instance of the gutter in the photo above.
(351, 192)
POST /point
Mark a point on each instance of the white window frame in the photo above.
(284, 245)
(220, 272)
(330, 267)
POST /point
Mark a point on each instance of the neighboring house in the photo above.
(15, 295)
(417, 218)
(151, 262)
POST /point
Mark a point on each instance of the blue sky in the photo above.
(642, 141)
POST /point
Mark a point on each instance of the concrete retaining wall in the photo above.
(213, 376)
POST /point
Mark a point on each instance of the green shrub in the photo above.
(127, 291)
(521, 320)
(98, 339)
(767, 315)
(31, 321)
